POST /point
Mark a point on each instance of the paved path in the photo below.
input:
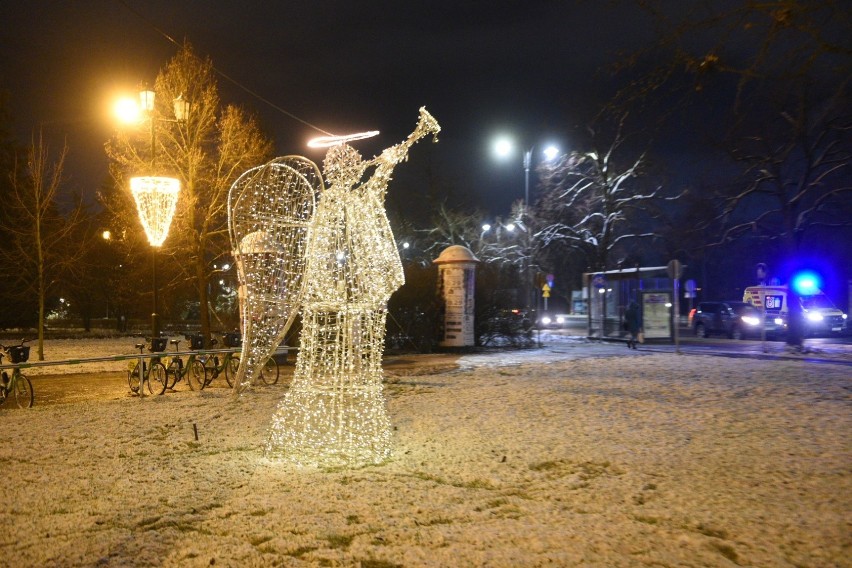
(76, 387)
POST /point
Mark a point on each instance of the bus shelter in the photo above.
(611, 291)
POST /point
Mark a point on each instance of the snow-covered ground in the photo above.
(580, 454)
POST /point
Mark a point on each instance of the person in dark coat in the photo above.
(633, 322)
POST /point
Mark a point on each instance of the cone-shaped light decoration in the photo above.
(156, 198)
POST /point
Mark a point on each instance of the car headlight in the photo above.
(844, 316)
(545, 320)
(779, 321)
(815, 317)
(560, 320)
(751, 320)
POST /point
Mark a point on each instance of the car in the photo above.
(552, 321)
(737, 320)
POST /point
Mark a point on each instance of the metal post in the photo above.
(527, 272)
(141, 374)
(677, 314)
(153, 146)
(155, 317)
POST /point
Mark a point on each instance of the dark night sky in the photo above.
(530, 68)
(535, 69)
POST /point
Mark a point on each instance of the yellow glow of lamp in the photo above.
(156, 199)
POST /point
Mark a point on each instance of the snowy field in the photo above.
(583, 454)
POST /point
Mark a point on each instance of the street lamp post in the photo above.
(155, 196)
(504, 148)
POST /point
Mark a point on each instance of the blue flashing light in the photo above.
(806, 283)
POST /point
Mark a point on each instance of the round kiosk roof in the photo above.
(455, 253)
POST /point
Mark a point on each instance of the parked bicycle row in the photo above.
(158, 373)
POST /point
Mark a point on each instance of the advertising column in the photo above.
(456, 284)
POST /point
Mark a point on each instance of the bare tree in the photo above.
(591, 200)
(796, 168)
(777, 74)
(795, 182)
(40, 248)
(501, 243)
(207, 152)
(452, 227)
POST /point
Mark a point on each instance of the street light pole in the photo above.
(156, 197)
(155, 316)
(147, 99)
(503, 147)
(527, 272)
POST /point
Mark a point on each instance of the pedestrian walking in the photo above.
(633, 323)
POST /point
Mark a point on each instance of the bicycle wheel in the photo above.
(24, 394)
(173, 372)
(156, 379)
(197, 375)
(133, 379)
(231, 368)
(269, 372)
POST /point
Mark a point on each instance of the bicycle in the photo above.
(18, 383)
(229, 366)
(153, 375)
(269, 373)
(194, 371)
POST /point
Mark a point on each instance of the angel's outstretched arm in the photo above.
(389, 158)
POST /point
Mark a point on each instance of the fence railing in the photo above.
(285, 350)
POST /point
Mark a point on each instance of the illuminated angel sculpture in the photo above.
(270, 210)
(334, 412)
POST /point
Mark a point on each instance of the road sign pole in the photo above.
(677, 315)
(675, 270)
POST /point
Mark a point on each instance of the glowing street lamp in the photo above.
(130, 111)
(504, 148)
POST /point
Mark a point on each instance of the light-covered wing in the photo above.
(271, 208)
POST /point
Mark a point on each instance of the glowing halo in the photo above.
(328, 141)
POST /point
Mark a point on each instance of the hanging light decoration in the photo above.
(334, 412)
(156, 198)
